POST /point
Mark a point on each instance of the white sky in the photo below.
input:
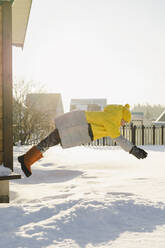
(112, 49)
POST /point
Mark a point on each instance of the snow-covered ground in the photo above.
(87, 197)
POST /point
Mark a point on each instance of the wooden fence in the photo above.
(138, 135)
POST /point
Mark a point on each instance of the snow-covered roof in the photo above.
(161, 118)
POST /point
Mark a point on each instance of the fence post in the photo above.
(143, 134)
(97, 142)
(153, 134)
(133, 133)
(124, 131)
(162, 127)
(103, 141)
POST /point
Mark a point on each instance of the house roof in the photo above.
(161, 118)
(101, 101)
(86, 104)
(20, 17)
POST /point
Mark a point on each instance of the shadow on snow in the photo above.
(50, 176)
(83, 221)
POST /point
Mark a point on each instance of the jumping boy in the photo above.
(81, 127)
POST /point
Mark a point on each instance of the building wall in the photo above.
(1, 110)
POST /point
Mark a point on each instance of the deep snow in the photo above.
(87, 197)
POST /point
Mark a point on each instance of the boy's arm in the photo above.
(129, 147)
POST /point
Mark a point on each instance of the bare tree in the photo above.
(29, 125)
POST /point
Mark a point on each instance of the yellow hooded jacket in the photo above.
(108, 122)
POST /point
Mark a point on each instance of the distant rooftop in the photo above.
(101, 101)
(90, 104)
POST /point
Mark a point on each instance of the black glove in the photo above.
(138, 152)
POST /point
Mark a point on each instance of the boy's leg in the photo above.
(51, 140)
(35, 153)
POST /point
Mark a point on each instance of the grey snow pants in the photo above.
(51, 140)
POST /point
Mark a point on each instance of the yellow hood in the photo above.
(119, 112)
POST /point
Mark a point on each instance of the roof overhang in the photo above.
(20, 17)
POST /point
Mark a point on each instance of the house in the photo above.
(88, 104)
(137, 118)
(49, 103)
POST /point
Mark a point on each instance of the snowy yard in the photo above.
(87, 197)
